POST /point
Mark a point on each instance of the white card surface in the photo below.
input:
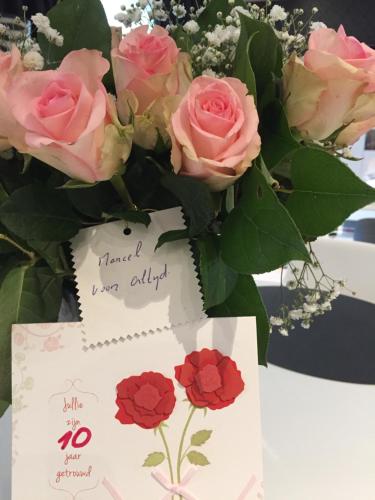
(64, 397)
(126, 288)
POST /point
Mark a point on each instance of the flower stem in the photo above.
(120, 186)
(168, 453)
(181, 456)
(30, 255)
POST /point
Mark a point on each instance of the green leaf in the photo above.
(197, 458)
(170, 236)
(39, 213)
(209, 15)
(218, 279)
(242, 67)
(84, 25)
(195, 198)
(154, 459)
(93, 202)
(75, 184)
(183, 40)
(246, 301)
(3, 194)
(259, 235)
(132, 216)
(3, 407)
(264, 51)
(325, 192)
(28, 294)
(277, 139)
(52, 253)
(200, 438)
(5, 246)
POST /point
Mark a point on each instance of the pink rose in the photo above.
(10, 68)
(150, 65)
(215, 131)
(333, 86)
(65, 116)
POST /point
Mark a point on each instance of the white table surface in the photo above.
(319, 439)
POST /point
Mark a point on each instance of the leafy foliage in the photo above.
(35, 212)
(195, 198)
(170, 236)
(245, 300)
(277, 139)
(259, 41)
(259, 235)
(28, 294)
(218, 279)
(83, 24)
(325, 192)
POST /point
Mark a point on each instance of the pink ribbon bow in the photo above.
(175, 489)
(111, 490)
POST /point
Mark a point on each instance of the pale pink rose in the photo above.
(10, 68)
(325, 91)
(150, 65)
(215, 131)
(65, 115)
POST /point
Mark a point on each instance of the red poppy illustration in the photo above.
(145, 400)
(211, 379)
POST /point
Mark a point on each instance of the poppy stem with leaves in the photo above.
(181, 456)
(167, 452)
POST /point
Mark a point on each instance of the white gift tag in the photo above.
(169, 414)
(125, 288)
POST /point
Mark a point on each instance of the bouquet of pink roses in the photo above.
(238, 113)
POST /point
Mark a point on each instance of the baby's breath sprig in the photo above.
(314, 291)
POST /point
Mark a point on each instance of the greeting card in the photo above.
(120, 275)
(170, 415)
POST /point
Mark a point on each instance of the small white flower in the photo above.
(191, 27)
(278, 13)
(41, 22)
(179, 11)
(229, 19)
(291, 285)
(300, 39)
(33, 61)
(284, 332)
(315, 10)
(326, 306)
(306, 325)
(310, 308)
(3, 29)
(317, 25)
(296, 314)
(347, 153)
(137, 15)
(240, 10)
(276, 321)
(121, 17)
(160, 15)
(209, 72)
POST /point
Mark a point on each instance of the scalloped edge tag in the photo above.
(128, 289)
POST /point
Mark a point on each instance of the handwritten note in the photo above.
(126, 288)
